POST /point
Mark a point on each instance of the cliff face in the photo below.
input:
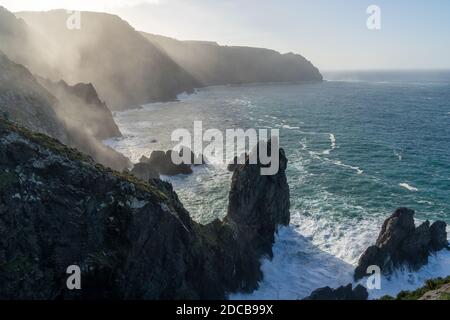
(125, 68)
(131, 239)
(81, 105)
(73, 115)
(24, 100)
(212, 64)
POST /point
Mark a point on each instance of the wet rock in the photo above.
(401, 243)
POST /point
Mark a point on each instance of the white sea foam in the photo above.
(333, 144)
(438, 266)
(408, 187)
(291, 128)
(314, 252)
(343, 165)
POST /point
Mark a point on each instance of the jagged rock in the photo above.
(438, 235)
(253, 194)
(132, 239)
(161, 162)
(81, 106)
(342, 293)
(401, 243)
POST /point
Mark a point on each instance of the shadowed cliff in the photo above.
(212, 64)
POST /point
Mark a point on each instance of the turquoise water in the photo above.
(359, 146)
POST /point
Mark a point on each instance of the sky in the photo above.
(333, 34)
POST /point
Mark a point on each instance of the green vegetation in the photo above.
(445, 296)
(430, 285)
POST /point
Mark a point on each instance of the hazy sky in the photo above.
(331, 33)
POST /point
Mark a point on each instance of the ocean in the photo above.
(360, 145)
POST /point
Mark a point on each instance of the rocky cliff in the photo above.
(212, 64)
(129, 68)
(81, 106)
(73, 115)
(132, 239)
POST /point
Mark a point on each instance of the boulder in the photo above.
(162, 163)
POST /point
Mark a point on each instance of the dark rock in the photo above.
(401, 243)
(132, 239)
(342, 293)
(252, 195)
(438, 235)
(161, 162)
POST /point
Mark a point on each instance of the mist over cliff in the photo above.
(129, 68)
(125, 68)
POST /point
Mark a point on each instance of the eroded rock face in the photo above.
(131, 239)
(342, 293)
(401, 243)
